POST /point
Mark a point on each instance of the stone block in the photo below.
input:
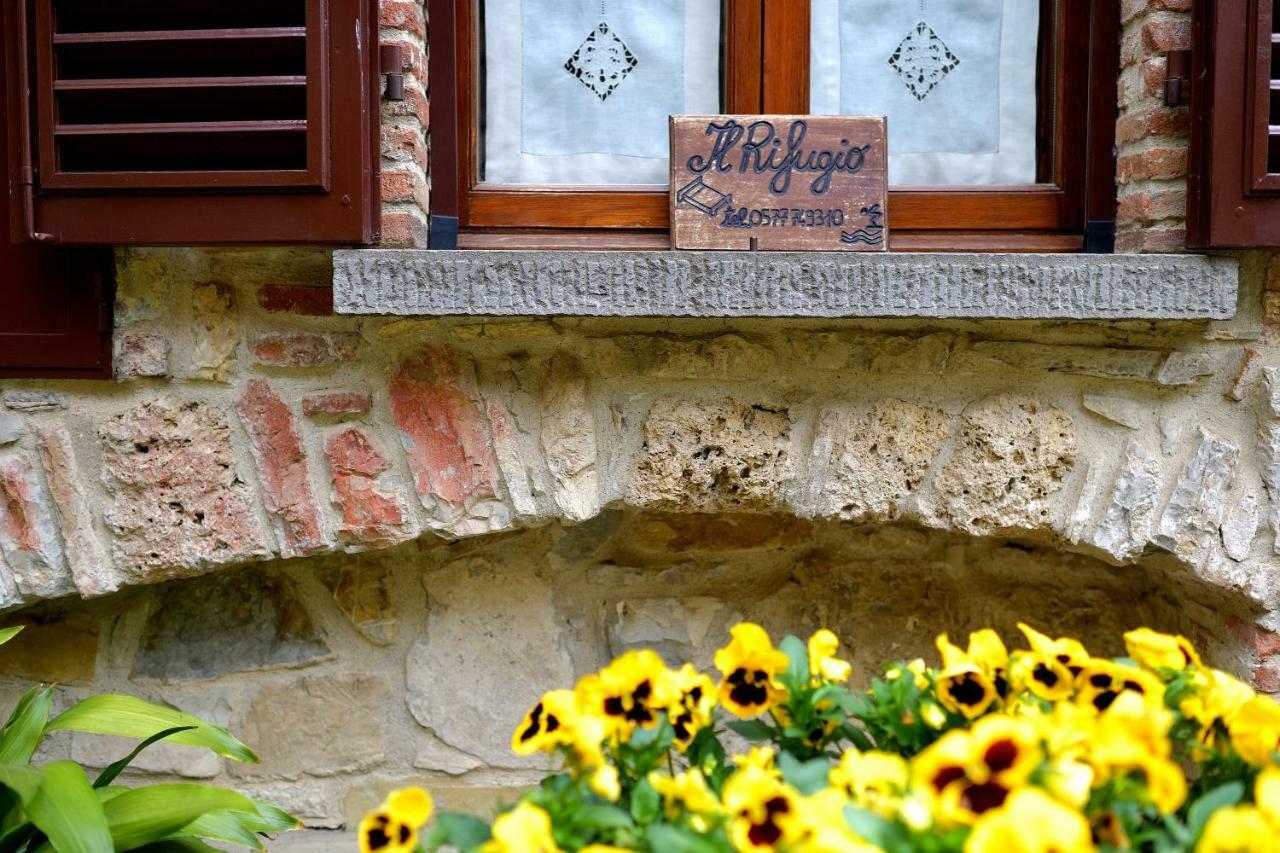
(446, 438)
(52, 651)
(711, 456)
(1185, 368)
(12, 428)
(304, 349)
(1241, 527)
(1129, 519)
(236, 621)
(1189, 525)
(370, 505)
(1011, 455)
(215, 332)
(1105, 362)
(870, 466)
(313, 802)
(726, 358)
(142, 355)
(320, 725)
(282, 470)
(676, 628)
(491, 648)
(34, 401)
(91, 568)
(28, 534)
(337, 404)
(1117, 410)
(568, 438)
(177, 504)
(362, 591)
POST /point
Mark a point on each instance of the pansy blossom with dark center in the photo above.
(750, 666)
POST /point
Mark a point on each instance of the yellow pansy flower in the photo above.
(1266, 792)
(1160, 651)
(547, 724)
(823, 663)
(1101, 682)
(1004, 749)
(604, 781)
(988, 651)
(750, 665)
(688, 790)
(1043, 677)
(822, 828)
(692, 697)
(524, 829)
(760, 757)
(966, 690)
(627, 693)
(393, 827)
(1238, 829)
(1069, 652)
(1030, 822)
(874, 780)
(762, 810)
(1255, 730)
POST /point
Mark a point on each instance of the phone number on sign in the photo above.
(782, 217)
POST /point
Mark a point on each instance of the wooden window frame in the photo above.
(1233, 202)
(335, 199)
(767, 71)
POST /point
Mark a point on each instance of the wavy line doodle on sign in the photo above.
(872, 234)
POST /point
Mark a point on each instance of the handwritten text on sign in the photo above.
(779, 182)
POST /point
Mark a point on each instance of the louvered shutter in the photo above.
(156, 121)
(1234, 185)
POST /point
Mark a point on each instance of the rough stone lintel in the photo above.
(785, 284)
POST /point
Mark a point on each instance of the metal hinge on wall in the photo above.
(392, 64)
(1177, 78)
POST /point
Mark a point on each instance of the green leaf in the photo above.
(797, 674)
(127, 716)
(671, 839)
(872, 828)
(145, 815)
(22, 736)
(1202, 809)
(268, 818)
(752, 730)
(646, 802)
(106, 777)
(602, 817)
(178, 845)
(7, 634)
(68, 811)
(23, 779)
(223, 826)
(462, 831)
(807, 777)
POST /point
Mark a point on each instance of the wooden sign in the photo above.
(779, 182)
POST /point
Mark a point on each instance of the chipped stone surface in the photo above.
(1118, 410)
(177, 504)
(215, 332)
(301, 722)
(142, 355)
(11, 428)
(1129, 519)
(34, 401)
(1106, 362)
(1011, 455)
(372, 514)
(28, 535)
(470, 702)
(873, 464)
(568, 438)
(1271, 478)
(337, 404)
(91, 569)
(282, 470)
(238, 621)
(362, 591)
(508, 451)
(1241, 527)
(304, 349)
(710, 455)
(727, 357)
(446, 438)
(676, 628)
(1195, 509)
(1271, 378)
(1185, 368)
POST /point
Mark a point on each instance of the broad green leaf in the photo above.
(127, 716)
(178, 845)
(1202, 809)
(7, 634)
(807, 777)
(268, 818)
(798, 661)
(869, 826)
(601, 817)
(646, 802)
(68, 812)
(107, 776)
(670, 839)
(223, 826)
(146, 815)
(22, 736)
(23, 779)
(460, 831)
(753, 730)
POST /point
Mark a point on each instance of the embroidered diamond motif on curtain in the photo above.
(602, 61)
(922, 60)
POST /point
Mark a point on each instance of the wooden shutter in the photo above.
(1234, 183)
(201, 121)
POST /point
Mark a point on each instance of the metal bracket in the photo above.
(1099, 237)
(1177, 78)
(442, 233)
(392, 63)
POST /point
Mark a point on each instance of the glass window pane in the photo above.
(579, 91)
(956, 78)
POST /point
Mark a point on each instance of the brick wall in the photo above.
(405, 185)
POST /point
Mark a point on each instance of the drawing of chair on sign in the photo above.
(698, 194)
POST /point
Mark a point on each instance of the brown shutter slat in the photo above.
(181, 128)
(179, 35)
(140, 83)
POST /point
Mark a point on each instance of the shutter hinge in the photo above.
(1177, 78)
(29, 205)
(392, 63)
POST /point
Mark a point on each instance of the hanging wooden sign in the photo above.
(780, 183)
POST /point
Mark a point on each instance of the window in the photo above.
(1233, 198)
(549, 117)
(204, 121)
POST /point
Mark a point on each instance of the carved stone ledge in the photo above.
(784, 284)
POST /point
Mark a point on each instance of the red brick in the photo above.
(1156, 240)
(1266, 677)
(300, 349)
(371, 515)
(1154, 121)
(405, 15)
(446, 437)
(297, 299)
(404, 145)
(404, 186)
(1153, 164)
(282, 469)
(402, 228)
(27, 534)
(1165, 34)
(337, 403)
(92, 571)
(1130, 9)
(1151, 206)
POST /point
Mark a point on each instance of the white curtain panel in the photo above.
(956, 79)
(544, 125)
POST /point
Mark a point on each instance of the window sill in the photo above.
(784, 284)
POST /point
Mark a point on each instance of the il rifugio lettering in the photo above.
(759, 148)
